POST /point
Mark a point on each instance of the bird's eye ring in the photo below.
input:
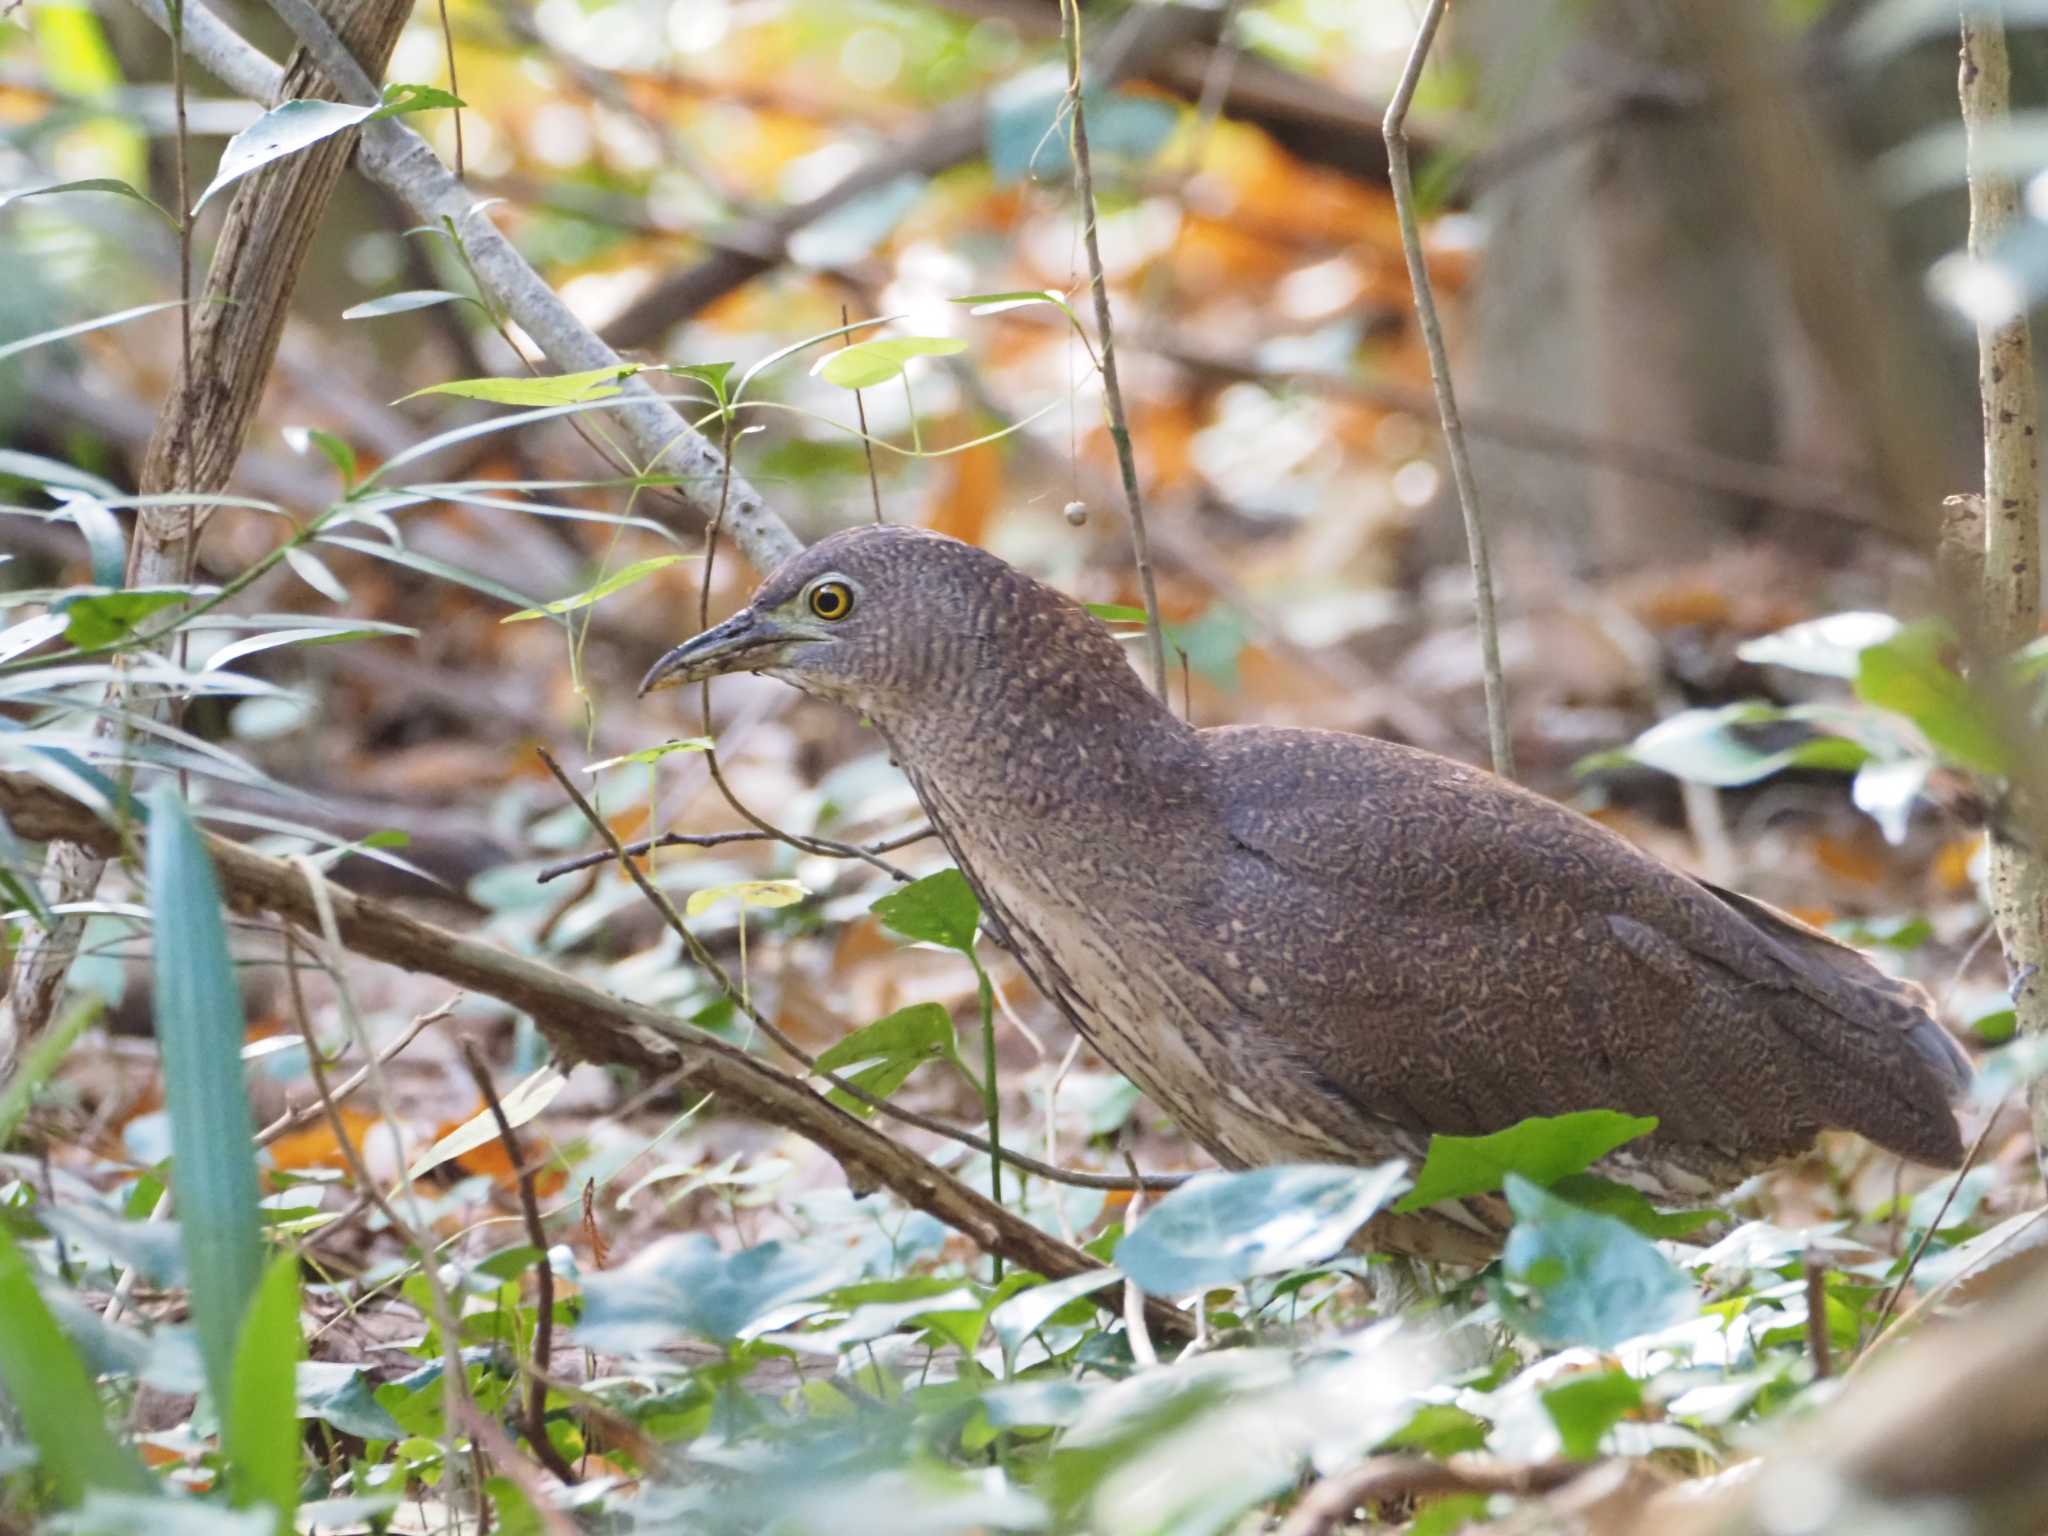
(831, 600)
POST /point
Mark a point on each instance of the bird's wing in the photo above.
(1513, 958)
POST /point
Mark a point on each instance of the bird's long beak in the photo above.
(746, 642)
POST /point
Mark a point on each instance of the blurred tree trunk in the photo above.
(1623, 292)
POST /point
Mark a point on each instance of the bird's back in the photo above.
(1455, 953)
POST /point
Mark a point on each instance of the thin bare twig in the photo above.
(647, 845)
(1403, 183)
(1817, 1317)
(1891, 1299)
(860, 406)
(1329, 1504)
(297, 1119)
(543, 1273)
(1112, 390)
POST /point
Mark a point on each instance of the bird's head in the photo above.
(899, 623)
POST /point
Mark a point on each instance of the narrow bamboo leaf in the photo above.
(19, 639)
(34, 467)
(103, 538)
(400, 303)
(333, 449)
(400, 98)
(616, 582)
(260, 1425)
(555, 389)
(235, 650)
(98, 184)
(39, 1063)
(283, 130)
(998, 303)
(867, 363)
(481, 1128)
(52, 1393)
(97, 323)
(427, 565)
(199, 1022)
(652, 754)
(313, 571)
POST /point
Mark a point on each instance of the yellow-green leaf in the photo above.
(749, 893)
(556, 389)
(615, 582)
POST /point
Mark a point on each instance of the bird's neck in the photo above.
(1074, 736)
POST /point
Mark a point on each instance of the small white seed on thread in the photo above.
(1077, 513)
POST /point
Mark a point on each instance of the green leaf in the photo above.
(1029, 1310)
(427, 565)
(98, 184)
(1224, 1228)
(1908, 676)
(1826, 647)
(52, 1394)
(64, 332)
(939, 909)
(684, 1284)
(652, 754)
(260, 1427)
(868, 363)
(997, 303)
(106, 618)
(711, 375)
(1438, 1429)
(334, 449)
(1542, 1149)
(619, 580)
(400, 99)
(763, 894)
(1590, 1279)
(39, 1063)
(1707, 746)
(1604, 1197)
(285, 129)
(1116, 613)
(896, 1046)
(402, 303)
(199, 1026)
(1585, 1407)
(555, 389)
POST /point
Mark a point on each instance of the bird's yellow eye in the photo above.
(831, 600)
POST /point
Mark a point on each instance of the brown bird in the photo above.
(1309, 946)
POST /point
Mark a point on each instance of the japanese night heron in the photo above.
(1309, 946)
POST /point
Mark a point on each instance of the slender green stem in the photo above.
(991, 1099)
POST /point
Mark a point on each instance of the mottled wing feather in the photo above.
(1524, 960)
